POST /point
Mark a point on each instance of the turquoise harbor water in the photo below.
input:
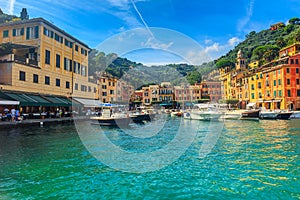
(251, 160)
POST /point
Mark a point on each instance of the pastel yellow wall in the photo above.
(43, 43)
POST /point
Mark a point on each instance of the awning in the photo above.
(59, 101)
(88, 102)
(23, 99)
(26, 99)
(8, 102)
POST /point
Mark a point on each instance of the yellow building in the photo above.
(108, 89)
(290, 50)
(114, 90)
(253, 64)
(274, 85)
(42, 58)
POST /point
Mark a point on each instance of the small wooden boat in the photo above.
(176, 114)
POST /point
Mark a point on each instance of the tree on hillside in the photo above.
(265, 53)
(294, 20)
(251, 34)
(297, 36)
(194, 77)
(225, 63)
(271, 54)
(289, 28)
(280, 42)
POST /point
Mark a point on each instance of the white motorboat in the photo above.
(204, 112)
(108, 118)
(295, 115)
(268, 114)
(231, 114)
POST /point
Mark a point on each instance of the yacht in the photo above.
(204, 112)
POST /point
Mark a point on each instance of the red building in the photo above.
(211, 90)
(291, 75)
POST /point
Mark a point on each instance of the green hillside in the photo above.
(264, 45)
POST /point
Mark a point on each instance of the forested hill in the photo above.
(264, 46)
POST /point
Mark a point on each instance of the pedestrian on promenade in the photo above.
(13, 114)
(17, 115)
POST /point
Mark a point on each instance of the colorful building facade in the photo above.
(274, 85)
(39, 57)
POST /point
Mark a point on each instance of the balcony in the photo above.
(23, 54)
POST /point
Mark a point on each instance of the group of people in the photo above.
(10, 115)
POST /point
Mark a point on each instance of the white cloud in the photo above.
(245, 20)
(197, 57)
(216, 49)
(213, 48)
(234, 41)
(153, 43)
(208, 41)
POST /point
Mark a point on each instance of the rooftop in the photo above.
(43, 21)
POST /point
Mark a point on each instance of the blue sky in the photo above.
(216, 25)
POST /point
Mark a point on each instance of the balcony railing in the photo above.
(18, 59)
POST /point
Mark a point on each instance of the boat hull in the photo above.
(117, 122)
(268, 115)
(250, 114)
(284, 115)
(205, 116)
(140, 118)
(295, 115)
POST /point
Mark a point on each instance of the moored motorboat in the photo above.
(285, 115)
(108, 118)
(112, 121)
(231, 114)
(250, 114)
(295, 115)
(268, 114)
(141, 117)
(204, 112)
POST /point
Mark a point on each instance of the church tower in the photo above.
(240, 60)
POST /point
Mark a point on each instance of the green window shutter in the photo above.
(14, 32)
(22, 31)
(36, 31)
(27, 33)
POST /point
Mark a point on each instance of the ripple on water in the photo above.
(251, 160)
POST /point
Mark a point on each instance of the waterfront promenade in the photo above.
(40, 122)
